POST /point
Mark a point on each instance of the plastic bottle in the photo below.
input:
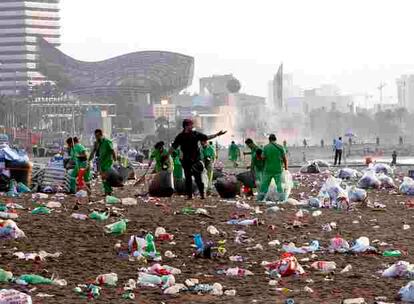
(8, 215)
(117, 227)
(79, 216)
(34, 279)
(112, 200)
(324, 266)
(198, 241)
(150, 248)
(5, 276)
(150, 279)
(188, 210)
(41, 210)
(109, 279)
(392, 253)
(243, 222)
(100, 216)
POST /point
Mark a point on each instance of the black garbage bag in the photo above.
(116, 176)
(131, 173)
(217, 174)
(179, 186)
(4, 183)
(161, 185)
(228, 187)
(247, 179)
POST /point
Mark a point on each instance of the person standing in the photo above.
(178, 168)
(234, 154)
(258, 166)
(80, 158)
(339, 146)
(274, 161)
(188, 140)
(253, 147)
(322, 143)
(105, 153)
(209, 156)
(394, 158)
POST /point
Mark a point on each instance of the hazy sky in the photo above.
(353, 43)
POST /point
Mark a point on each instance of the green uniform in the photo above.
(75, 152)
(161, 159)
(178, 167)
(257, 167)
(273, 168)
(105, 152)
(234, 154)
(209, 155)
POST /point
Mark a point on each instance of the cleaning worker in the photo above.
(105, 153)
(80, 158)
(208, 157)
(274, 160)
(257, 165)
(178, 167)
(234, 154)
(161, 157)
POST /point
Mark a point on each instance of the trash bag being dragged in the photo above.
(228, 187)
(247, 179)
(162, 185)
(115, 177)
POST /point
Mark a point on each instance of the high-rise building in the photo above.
(21, 22)
(405, 91)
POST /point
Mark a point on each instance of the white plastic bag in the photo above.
(347, 173)
(406, 293)
(399, 269)
(14, 296)
(383, 168)
(336, 193)
(362, 245)
(287, 183)
(386, 181)
(339, 244)
(356, 194)
(407, 186)
(369, 180)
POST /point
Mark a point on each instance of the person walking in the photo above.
(339, 146)
(80, 158)
(234, 154)
(105, 153)
(209, 156)
(274, 161)
(188, 140)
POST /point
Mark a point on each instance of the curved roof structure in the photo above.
(154, 72)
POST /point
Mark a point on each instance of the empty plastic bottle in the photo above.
(117, 227)
(198, 241)
(34, 279)
(110, 279)
(324, 266)
(41, 210)
(392, 253)
(100, 216)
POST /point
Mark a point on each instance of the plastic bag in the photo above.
(369, 180)
(356, 194)
(386, 181)
(407, 186)
(362, 245)
(112, 200)
(14, 296)
(5, 276)
(347, 173)
(114, 177)
(291, 248)
(287, 184)
(314, 202)
(286, 266)
(117, 227)
(162, 185)
(311, 168)
(9, 230)
(41, 210)
(247, 179)
(34, 279)
(399, 269)
(100, 216)
(406, 293)
(22, 188)
(382, 168)
(339, 244)
(336, 193)
(227, 187)
(272, 195)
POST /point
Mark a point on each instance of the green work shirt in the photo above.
(257, 164)
(273, 154)
(160, 157)
(105, 154)
(253, 155)
(76, 151)
(208, 152)
(234, 152)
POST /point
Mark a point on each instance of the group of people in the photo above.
(191, 155)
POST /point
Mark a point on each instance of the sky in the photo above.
(355, 44)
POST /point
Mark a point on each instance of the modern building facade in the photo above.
(405, 91)
(21, 24)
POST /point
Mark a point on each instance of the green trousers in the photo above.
(104, 168)
(210, 173)
(266, 180)
(74, 175)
